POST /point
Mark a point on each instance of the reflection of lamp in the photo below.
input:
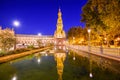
(46, 54)
(90, 74)
(38, 60)
(74, 56)
(38, 57)
(14, 77)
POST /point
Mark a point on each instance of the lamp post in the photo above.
(89, 30)
(16, 24)
(90, 60)
(39, 40)
(39, 34)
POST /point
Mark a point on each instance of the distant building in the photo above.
(26, 40)
(23, 40)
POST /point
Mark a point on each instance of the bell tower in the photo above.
(59, 35)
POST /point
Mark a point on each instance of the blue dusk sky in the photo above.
(40, 16)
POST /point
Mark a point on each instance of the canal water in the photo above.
(60, 66)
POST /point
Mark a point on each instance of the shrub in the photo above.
(10, 52)
(2, 53)
(30, 47)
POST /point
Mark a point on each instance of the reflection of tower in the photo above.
(59, 58)
(59, 34)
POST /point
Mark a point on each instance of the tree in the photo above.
(76, 35)
(103, 16)
(7, 40)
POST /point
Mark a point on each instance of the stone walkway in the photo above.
(116, 58)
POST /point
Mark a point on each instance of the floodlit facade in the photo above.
(59, 35)
(23, 40)
(26, 40)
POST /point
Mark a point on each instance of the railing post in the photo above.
(101, 49)
(118, 52)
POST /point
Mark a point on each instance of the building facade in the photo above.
(23, 40)
(27, 40)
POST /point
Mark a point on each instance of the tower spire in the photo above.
(59, 33)
(59, 9)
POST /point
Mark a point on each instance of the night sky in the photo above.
(40, 16)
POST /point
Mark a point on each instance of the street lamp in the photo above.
(39, 34)
(16, 24)
(90, 74)
(89, 30)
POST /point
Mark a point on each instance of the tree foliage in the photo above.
(77, 34)
(103, 16)
(7, 40)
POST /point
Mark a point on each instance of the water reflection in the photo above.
(74, 56)
(38, 60)
(38, 57)
(60, 64)
(46, 54)
(90, 62)
(14, 77)
(60, 58)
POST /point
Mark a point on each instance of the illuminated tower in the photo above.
(59, 35)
